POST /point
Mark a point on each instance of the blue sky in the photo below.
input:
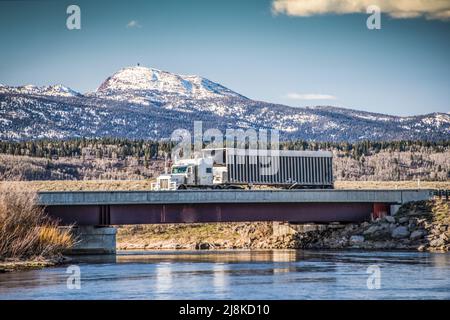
(283, 57)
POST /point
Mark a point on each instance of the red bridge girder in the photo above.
(122, 214)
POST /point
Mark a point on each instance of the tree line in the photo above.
(121, 148)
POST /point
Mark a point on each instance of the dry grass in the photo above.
(392, 185)
(111, 185)
(441, 211)
(188, 236)
(25, 231)
(79, 185)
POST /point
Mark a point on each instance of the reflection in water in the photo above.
(220, 256)
(284, 255)
(440, 260)
(102, 258)
(163, 284)
(246, 274)
(220, 280)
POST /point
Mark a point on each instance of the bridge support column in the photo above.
(282, 228)
(94, 240)
(289, 228)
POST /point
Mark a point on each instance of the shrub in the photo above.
(26, 232)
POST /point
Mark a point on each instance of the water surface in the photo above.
(272, 274)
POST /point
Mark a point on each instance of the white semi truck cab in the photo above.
(186, 172)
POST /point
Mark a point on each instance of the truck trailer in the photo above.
(226, 168)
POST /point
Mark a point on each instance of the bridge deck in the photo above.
(72, 198)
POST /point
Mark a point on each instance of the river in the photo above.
(272, 274)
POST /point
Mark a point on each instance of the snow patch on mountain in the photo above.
(54, 90)
(437, 119)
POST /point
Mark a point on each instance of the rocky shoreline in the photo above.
(423, 226)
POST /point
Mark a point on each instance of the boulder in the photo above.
(372, 230)
(417, 234)
(422, 248)
(356, 239)
(403, 220)
(400, 232)
(437, 243)
(202, 246)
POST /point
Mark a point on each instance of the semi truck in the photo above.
(232, 168)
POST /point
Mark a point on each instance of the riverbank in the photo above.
(10, 265)
(423, 226)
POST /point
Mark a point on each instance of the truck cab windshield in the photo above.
(182, 169)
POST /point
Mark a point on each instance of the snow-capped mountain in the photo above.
(145, 103)
(146, 85)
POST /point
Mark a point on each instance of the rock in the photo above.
(400, 232)
(336, 225)
(403, 220)
(412, 226)
(390, 219)
(437, 243)
(417, 234)
(349, 227)
(202, 246)
(421, 220)
(372, 230)
(356, 239)
(436, 232)
(422, 247)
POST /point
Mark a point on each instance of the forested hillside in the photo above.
(88, 159)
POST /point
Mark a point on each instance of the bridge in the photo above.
(109, 208)
(104, 208)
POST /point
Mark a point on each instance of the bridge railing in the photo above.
(155, 186)
(441, 194)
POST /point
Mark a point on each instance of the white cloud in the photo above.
(430, 9)
(310, 96)
(133, 24)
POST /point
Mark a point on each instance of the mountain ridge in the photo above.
(138, 102)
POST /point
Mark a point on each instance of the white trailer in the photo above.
(231, 168)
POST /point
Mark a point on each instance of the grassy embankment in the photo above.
(28, 238)
(110, 185)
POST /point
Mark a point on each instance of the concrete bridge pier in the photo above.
(283, 228)
(94, 240)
